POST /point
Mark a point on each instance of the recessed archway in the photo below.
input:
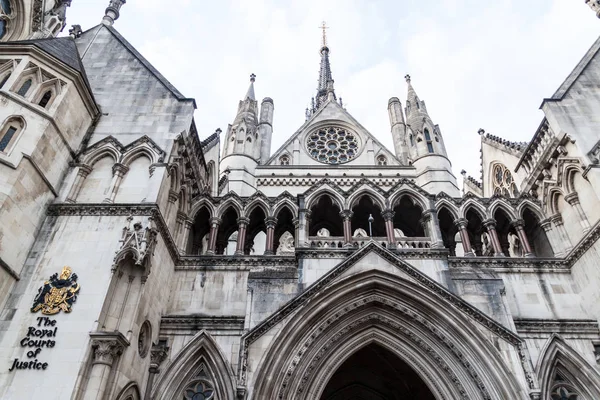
(375, 373)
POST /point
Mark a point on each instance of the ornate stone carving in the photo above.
(105, 351)
(138, 242)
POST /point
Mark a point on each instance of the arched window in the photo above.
(428, 139)
(381, 160)
(249, 140)
(45, 98)
(4, 78)
(562, 390)
(284, 160)
(25, 87)
(9, 133)
(5, 15)
(503, 182)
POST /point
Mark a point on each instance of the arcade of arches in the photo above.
(404, 225)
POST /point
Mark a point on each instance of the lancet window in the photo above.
(428, 140)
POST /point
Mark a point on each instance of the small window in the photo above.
(427, 135)
(46, 99)
(428, 139)
(25, 88)
(249, 140)
(7, 137)
(412, 140)
(284, 160)
(4, 79)
(381, 160)
(2, 28)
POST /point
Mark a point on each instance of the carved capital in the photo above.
(105, 351)
(173, 196)
(243, 221)
(572, 198)
(388, 215)
(346, 214)
(461, 223)
(518, 224)
(120, 169)
(490, 224)
(158, 354)
(84, 170)
(557, 219)
(215, 221)
(270, 222)
(546, 224)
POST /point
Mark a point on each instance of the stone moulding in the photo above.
(562, 326)
(200, 322)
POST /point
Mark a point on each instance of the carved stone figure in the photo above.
(360, 232)
(205, 244)
(398, 233)
(323, 232)
(286, 244)
(514, 245)
(486, 245)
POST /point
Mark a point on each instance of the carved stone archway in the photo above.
(441, 344)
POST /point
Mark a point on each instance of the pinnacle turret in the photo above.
(325, 85)
(250, 93)
(112, 12)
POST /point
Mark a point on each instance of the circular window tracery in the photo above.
(503, 181)
(332, 145)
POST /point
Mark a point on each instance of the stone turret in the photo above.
(112, 12)
(426, 149)
(247, 141)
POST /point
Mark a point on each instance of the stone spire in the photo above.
(250, 93)
(325, 86)
(112, 12)
(594, 5)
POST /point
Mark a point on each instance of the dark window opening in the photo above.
(46, 99)
(7, 137)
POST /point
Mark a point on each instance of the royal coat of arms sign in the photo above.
(58, 293)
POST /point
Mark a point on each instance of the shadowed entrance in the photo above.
(374, 373)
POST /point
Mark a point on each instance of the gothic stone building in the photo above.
(140, 262)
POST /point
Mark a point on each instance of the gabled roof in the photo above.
(578, 70)
(315, 117)
(420, 278)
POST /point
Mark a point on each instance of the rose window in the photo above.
(504, 183)
(332, 145)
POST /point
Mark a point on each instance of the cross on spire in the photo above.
(324, 28)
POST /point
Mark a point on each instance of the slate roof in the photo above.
(63, 49)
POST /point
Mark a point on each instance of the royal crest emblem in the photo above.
(58, 293)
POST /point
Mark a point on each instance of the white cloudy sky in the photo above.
(477, 64)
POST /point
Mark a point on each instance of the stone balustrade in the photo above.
(337, 242)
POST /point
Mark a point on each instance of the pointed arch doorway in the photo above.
(375, 373)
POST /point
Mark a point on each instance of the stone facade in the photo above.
(329, 268)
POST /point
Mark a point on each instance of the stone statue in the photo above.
(514, 245)
(204, 244)
(323, 232)
(360, 232)
(286, 244)
(486, 245)
(398, 233)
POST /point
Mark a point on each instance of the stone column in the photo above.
(158, 353)
(84, 171)
(173, 196)
(431, 219)
(186, 226)
(212, 237)
(303, 239)
(519, 227)
(347, 216)
(490, 225)
(270, 222)
(119, 171)
(106, 349)
(241, 238)
(461, 224)
(551, 235)
(562, 233)
(388, 217)
(181, 217)
(573, 200)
